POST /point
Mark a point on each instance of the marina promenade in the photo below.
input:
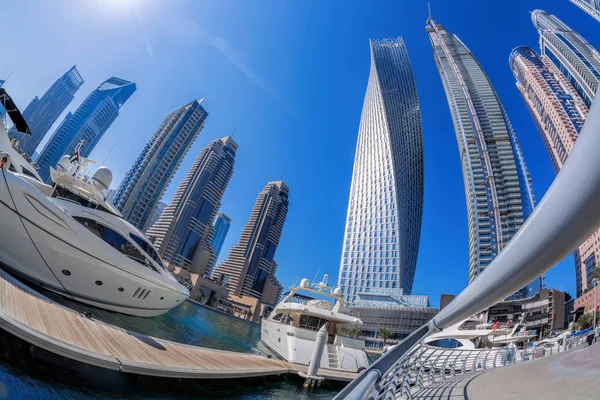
(571, 375)
(59, 330)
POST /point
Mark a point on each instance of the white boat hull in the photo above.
(43, 244)
(296, 345)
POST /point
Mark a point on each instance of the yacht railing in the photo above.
(567, 215)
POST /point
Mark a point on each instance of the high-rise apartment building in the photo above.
(146, 182)
(592, 7)
(221, 228)
(41, 114)
(570, 53)
(497, 185)
(383, 223)
(249, 269)
(559, 113)
(89, 123)
(184, 231)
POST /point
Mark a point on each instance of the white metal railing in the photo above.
(536, 304)
(424, 366)
(567, 215)
(537, 322)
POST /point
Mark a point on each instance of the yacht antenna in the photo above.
(111, 150)
(315, 278)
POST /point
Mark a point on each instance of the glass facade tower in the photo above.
(146, 182)
(160, 207)
(89, 123)
(249, 269)
(559, 113)
(383, 224)
(221, 227)
(497, 185)
(41, 114)
(592, 7)
(570, 53)
(184, 231)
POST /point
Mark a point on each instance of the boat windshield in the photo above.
(118, 242)
(29, 173)
(148, 248)
(312, 323)
(61, 192)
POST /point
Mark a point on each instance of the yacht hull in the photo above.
(296, 345)
(43, 244)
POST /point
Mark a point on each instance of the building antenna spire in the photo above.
(429, 10)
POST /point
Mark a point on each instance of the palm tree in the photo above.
(386, 334)
(351, 331)
(585, 321)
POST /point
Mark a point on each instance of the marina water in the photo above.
(25, 377)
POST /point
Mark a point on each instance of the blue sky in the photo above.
(290, 77)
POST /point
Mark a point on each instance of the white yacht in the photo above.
(291, 329)
(475, 332)
(68, 239)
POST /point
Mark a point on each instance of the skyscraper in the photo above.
(383, 224)
(42, 113)
(146, 182)
(570, 53)
(89, 123)
(497, 185)
(184, 231)
(221, 227)
(591, 7)
(160, 207)
(559, 114)
(249, 270)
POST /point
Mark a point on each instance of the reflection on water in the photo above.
(26, 377)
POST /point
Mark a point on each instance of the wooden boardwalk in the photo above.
(59, 330)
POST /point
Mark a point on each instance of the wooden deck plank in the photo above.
(70, 334)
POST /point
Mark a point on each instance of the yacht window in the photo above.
(148, 248)
(29, 174)
(114, 239)
(277, 317)
(446, 343)
(68, 195)
(11, 168)
(310, 322)
(102, 208)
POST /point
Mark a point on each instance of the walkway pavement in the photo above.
(571, 375)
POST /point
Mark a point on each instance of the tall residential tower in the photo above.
(592, 7)
(41, 114)
(146, 182)
(497, 185)
(570, 53)
(89, 123)
(557, 88)
(184, 231)
(383, 224)
(249, 270)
